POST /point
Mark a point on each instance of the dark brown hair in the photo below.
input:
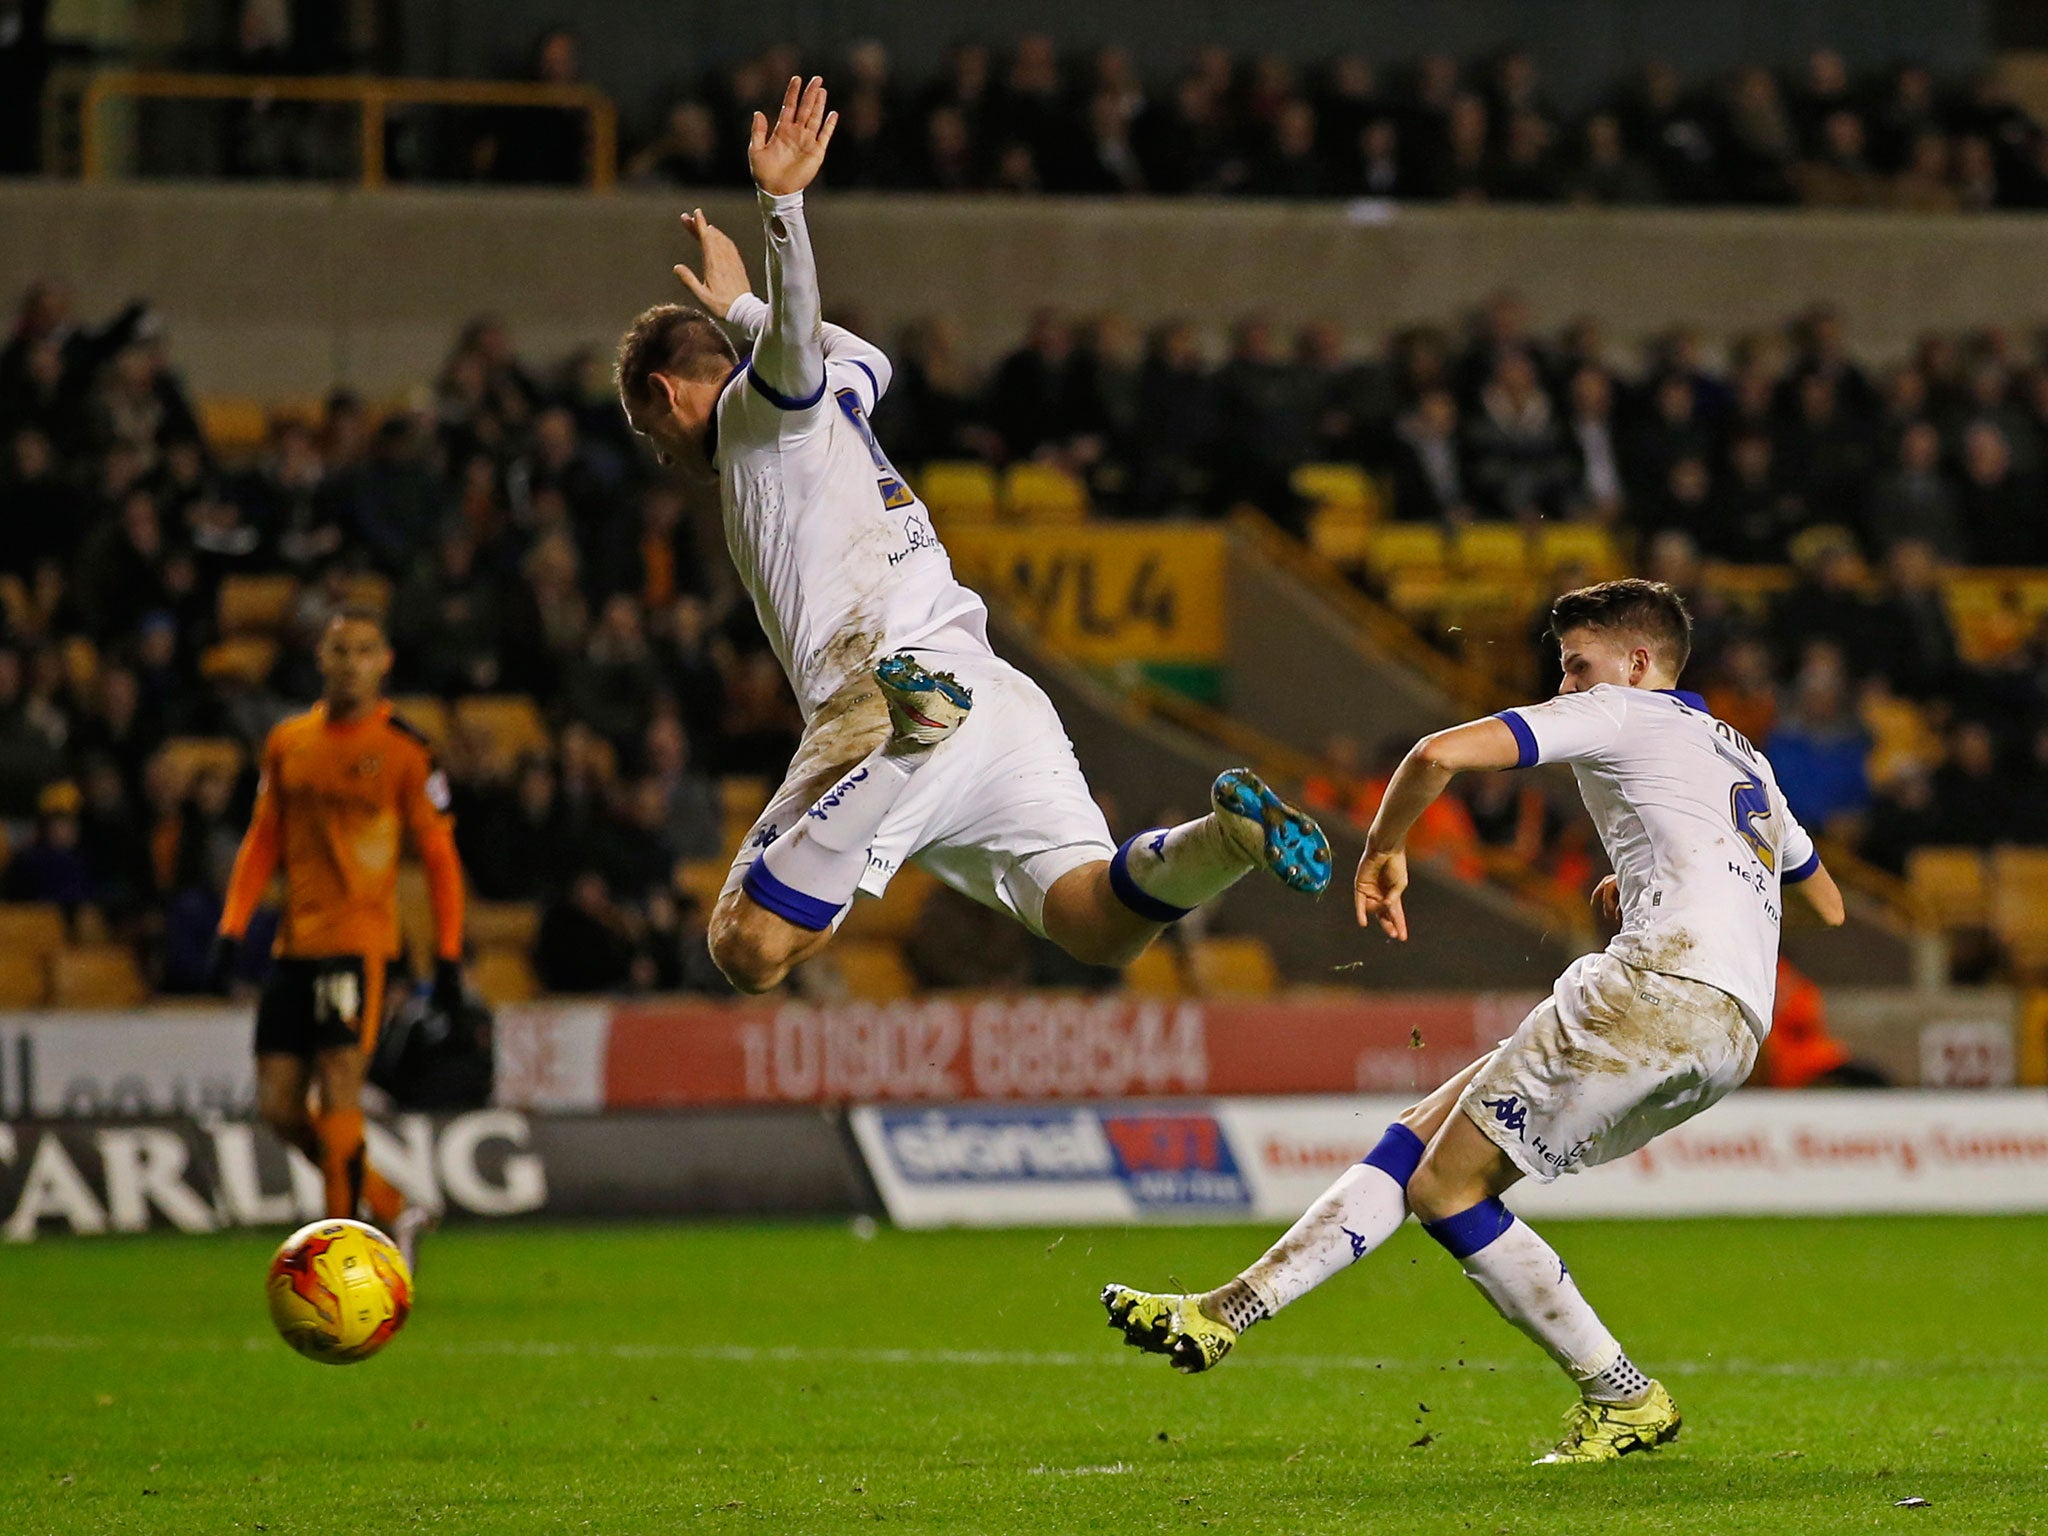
(671, 338)
(1650, 610)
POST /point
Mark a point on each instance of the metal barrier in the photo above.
(372, 95)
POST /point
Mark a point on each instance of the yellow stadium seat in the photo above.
(232, 426)
(184, 757)
(1406, 546)
(96, 976)
(366, 589)
(246, 657)
(255, 605)
(2019, 906)
(743, 799)
(1951, 883)
(1578, 544)
(508, 724)
(701, 880)
(1341, 486)
(502, 924)
(24, 979)
(32, 928)
(892, 917)
(1232, 967)
(81, 663)
(1340, 534)
(1044, 493)
(872, 972)
(502, 975)
(427, 715)
(1491, 549)
(1155, 973)
(959, 491)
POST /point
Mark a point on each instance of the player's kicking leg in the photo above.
(1106, 912)
(1435, 1161)
(783, 912)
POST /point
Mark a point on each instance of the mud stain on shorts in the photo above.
(845, 729)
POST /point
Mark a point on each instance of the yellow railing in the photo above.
(373, 96)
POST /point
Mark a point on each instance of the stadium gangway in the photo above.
(372, 95)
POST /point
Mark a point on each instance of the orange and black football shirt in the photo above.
(336, 801)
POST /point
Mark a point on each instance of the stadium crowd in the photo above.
(1030, 117)
(1027, 119)
(526, 549)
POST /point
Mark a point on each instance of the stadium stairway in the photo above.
(1138, 753)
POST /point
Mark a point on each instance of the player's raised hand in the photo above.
(1382, 877)
(1607, 899)
(784, 158)
(725, 270)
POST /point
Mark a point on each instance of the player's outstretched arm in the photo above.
(725, 284)
(789, 356)
(726, 292)
(1824, 896)
(1477, 746)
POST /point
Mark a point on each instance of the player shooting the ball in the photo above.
(919, 742)
(1633, 1040)
(341, 785)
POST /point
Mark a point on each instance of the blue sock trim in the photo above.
(786, 901)
(1151, 908)
(1397, 1155)
(1469, 1231)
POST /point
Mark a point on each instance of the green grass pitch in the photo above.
(802, 1379)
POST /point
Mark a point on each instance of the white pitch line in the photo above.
(1110, 1357)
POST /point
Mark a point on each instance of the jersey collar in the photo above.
(1686, 697)
(711, 426)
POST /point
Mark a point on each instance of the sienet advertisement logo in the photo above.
(1175, 1160)
(997, 1146)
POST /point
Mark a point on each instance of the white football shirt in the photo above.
(830, 541)
(1695, 825)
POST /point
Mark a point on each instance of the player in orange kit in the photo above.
(342, 783)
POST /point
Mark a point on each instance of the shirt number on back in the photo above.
(894, 492)
(1749, 803)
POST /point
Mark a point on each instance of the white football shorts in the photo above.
(1612, 1058)
(999, 813)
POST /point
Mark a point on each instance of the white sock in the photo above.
(1351, 1218)
(811, 871)
(1364, 1208)
(1165, 873)
(1529, 1285)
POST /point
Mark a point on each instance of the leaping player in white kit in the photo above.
(1633, 1040)
(920, 742)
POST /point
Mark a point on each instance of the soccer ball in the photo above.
(338, 1291)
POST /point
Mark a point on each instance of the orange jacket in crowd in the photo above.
(1800, 1048)
(333, 804)
(1443, 834)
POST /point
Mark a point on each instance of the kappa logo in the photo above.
(763, 836)
(1158, 844)
(1508, 1111)
(830, 803)
(1358, 1243)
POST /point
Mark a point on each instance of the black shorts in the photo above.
(310, 1006)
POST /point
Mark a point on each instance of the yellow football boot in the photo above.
(1174, 1326)
(1608, 1431)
